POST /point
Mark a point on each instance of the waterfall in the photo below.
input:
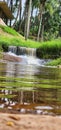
(28, 55)
(12, 49)
(22, 51)
(27, 51)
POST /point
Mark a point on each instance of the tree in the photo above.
(11, 8)
(41, 10)
(28, 16)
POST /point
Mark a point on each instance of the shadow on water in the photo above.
(30, 87)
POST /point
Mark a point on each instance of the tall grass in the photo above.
(50, 49)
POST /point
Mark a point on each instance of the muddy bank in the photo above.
(29, 122)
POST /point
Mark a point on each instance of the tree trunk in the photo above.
(42, 32)
(40, 24)
(28, 19)
(11, 7)
(26, 15)
(20, 15)
(16, 16)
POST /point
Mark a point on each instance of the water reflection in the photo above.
(29, 88)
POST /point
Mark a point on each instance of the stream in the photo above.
(29, 86)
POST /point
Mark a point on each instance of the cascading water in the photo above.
(28, 55)
(26, 51)
(12, 49)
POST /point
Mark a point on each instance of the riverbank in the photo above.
(29, 122)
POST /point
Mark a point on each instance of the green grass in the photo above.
(54, 62)
(15, 38)
(18, 41)
(9, 30)
(50, 49)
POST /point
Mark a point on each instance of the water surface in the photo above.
(30, 87)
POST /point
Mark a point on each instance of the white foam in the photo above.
(30, 60)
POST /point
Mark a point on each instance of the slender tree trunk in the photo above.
(40, 24)
(11, 7)
(26, 15)
(29, 16)
(28, 19)
(20, 14)
(22, 19)
(16, 17)
(42, 32)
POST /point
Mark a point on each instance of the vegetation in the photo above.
(50, 49)
(55, 62)
(44, 25)
(9, 30)
(10, 37)
(39, 19)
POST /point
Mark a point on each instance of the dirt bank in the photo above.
(29, 122)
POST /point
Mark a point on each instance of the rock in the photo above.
(12, 58)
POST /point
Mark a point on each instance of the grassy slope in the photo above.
(9, 36)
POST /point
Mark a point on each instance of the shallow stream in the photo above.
(30, 87)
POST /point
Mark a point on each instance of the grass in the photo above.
(55, 62)
(15, 38)
(50, 49)
(9, 30)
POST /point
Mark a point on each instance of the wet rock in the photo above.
(12, 58)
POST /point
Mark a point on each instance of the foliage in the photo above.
(48, 23)
(54, 62)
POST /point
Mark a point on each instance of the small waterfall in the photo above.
(28, 55)
(31, 51)
(22, 51)
(27, 51)
(12, 49)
